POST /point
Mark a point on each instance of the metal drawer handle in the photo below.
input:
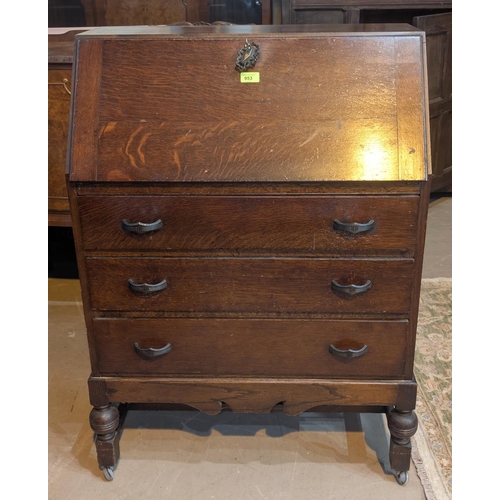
(353, 227)
(351, 289)
(151, 352)
(147, 288)
(141, 227)
(348, 353)
(63, 83)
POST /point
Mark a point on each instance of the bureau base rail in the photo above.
(245, 395)
(112, 396)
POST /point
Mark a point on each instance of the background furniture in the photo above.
(432, 16)
(438, 34)
(61, 251)
(60, 63)
(256, 245)
(156, 12)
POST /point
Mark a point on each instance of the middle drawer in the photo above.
(256, 286)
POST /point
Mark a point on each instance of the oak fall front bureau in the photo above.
(249, 208)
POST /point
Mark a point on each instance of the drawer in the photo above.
(251, 347)
(257, 286)
(235, 224)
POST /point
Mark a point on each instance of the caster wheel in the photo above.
(109, 473)
(402, 477)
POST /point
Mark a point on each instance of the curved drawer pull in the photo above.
(63, 83)
(151, 352)
(147, 288)
(141, 227)
(351, 289)
(353, 227)
(348, 353)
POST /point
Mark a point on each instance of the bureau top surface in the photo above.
(330, 103)
(231, 30)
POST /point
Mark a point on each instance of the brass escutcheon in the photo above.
(247, 56)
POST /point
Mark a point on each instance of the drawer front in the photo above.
(258, 286)
(275, 224)
(251, 347)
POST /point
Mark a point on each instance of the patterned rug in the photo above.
(431, 450)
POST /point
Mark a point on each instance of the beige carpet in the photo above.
(433, 371)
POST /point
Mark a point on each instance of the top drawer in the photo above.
(302, 225)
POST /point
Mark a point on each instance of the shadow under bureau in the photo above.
(249, 207)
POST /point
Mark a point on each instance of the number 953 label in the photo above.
(250, 77)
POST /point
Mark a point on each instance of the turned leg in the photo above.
(104, 421)
(402, 426)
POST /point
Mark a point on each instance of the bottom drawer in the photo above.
(255, 347)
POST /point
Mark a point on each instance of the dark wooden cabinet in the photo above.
(438, 40)
(157, 12)
(432, 16)
(356, 11)
(251, 240)
(60, 65)
(59, 102)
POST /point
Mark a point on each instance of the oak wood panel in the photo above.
(290, 86)
(58, 114)
(356, 134)
(417, 270)
(236, 152)
(357, 83)
(260, 396)
(411, 113)
(82, 270)
(251, 347)
(250, 285)
(277, 225)
(84, 111)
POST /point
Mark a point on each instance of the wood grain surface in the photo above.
(296, 124)
(251, 347)
(246, 395)
(251, 224)
(199, 123)
(250, 285)
(58, 115)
